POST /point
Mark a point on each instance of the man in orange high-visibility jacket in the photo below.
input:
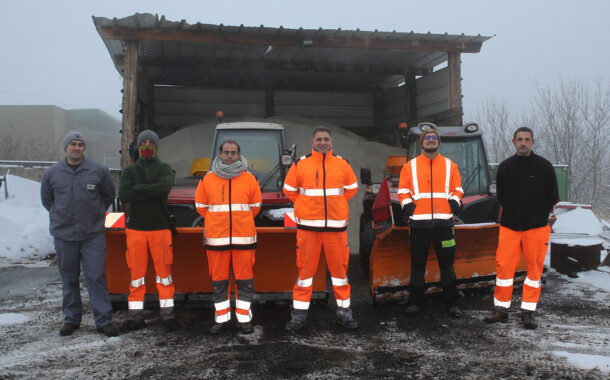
(229, 198)
(527, 191)
(430, 193)
(320, 184)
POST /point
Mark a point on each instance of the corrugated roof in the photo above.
(257, 57)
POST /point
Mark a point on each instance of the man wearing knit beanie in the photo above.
(77, 192)
(145, 185)
(430, 193)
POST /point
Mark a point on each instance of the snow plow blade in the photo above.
(275, 270)
(475, 262)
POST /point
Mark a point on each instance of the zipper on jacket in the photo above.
(230, 216)
(323, 189)
(223, 194)
(317, 185)
(431, 195)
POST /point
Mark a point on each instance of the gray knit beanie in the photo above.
(74, 135)
(148, 134)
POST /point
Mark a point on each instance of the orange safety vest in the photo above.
(229, 207)
(430, 184)
(319, 186)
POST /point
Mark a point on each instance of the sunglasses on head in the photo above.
(431, 137)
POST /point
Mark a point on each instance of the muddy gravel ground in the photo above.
(574, 322)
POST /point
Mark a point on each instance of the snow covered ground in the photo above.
(573, 340)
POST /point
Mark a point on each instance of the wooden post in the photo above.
(269, 102)
(410, 97)
(455, 81)
(129, 99)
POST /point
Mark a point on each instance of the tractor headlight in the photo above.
(373, 188)
(471, 127)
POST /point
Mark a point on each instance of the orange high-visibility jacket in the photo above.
(229, 207)
(319, 186)
(430, 184)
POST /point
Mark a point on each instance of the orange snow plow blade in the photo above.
(275, 270)
(475, 262)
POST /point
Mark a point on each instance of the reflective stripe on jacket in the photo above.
(430, 184)
(229, 207)
(320, 185)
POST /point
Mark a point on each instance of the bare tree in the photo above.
(493, 117)
(571, 124)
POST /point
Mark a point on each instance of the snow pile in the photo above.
(578, 221)
(12, 318)
(181, 147)
(24, 224)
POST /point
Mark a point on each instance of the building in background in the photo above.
(37, 133)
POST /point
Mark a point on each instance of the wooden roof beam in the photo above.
(320, 41)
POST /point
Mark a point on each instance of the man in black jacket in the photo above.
(527, 191)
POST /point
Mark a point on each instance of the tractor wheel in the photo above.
(367, 239)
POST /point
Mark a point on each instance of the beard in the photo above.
(430, 150)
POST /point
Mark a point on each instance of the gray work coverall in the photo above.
(77, 201)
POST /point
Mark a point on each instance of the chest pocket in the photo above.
(91, 184)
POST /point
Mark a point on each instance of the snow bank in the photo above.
(24, 224)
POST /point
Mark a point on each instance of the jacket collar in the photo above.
(320, 156)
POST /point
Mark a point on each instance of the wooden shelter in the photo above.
(175, 74)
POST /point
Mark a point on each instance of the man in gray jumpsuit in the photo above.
(77, 192)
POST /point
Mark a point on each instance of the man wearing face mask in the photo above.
(229, 198)
(145, 185)
(430, 192)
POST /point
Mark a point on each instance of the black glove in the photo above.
(407, 211)
(455, 206)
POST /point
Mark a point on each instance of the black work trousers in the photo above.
(444, 246)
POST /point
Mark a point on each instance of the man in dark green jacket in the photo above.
(145, 186)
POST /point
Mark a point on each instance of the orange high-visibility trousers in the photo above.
(160, 244)
(534, 244)
(336, 250)
(219, 263)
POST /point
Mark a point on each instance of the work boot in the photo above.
(412, 310)
(108, 330)
(496, 316)
(528, 320)
(345, 318)
(217, 328)
(132, 325)
(170, 325)
(295, 325)
(454, 312)
(68, 329)
(246, 328)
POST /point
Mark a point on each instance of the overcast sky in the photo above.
(52, 53)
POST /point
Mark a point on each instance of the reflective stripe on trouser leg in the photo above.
(219, 263)
(309, 246)
(243, 260)
(245, 292)
(535, 246)
(222, 304)
(161, 251)
(508, 255)
(336, 251)
(137, 261)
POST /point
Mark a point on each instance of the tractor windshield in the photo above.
(262, 150)
(469, 155)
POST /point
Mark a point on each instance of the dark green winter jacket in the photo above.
(148, 198)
